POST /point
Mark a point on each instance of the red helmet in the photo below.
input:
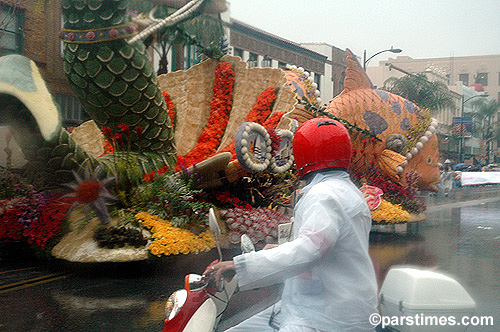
(321, 143)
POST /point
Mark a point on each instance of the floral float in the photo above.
(161, 210)
(217, 135)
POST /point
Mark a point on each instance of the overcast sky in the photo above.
(422, 28)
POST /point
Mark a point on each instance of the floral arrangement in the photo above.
(263, 106)
(170, 108)
(390, 213)
(220, 107)
(260, 224)
(36, 218)
(170, 240)
(175, 199)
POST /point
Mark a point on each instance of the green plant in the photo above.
(174, 198)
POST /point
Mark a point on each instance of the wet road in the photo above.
(461, 239)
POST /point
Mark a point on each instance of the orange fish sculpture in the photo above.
(403, 135)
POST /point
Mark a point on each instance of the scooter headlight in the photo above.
(175, 303)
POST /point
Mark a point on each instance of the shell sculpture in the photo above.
(402, 138)
(194, 91)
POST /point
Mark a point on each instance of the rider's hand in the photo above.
(220, 269)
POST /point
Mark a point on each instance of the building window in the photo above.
(71, 110)
(252, 60)
(482, 78)
(11, 30)
(238, 52)
(266, 62)
(191, 56)
(317, 80)
(281, 64)
(341, 81)
(464, 78)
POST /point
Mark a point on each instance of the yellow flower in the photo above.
(390, 213)
(169, 240)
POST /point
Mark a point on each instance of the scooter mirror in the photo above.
(246, 244)
(195, 282)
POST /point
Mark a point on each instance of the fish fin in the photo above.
(356, 77)
(388, 162)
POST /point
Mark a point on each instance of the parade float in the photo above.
(137, 181)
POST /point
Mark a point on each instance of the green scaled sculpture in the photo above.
(114, 79)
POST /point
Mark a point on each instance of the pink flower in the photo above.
(90, 35)
(113, 33)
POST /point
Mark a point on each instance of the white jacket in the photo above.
(329, 277)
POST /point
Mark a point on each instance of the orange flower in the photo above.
(170, 108)
(263, 106)
(259, 113)
(220, 107)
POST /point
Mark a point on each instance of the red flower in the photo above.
(125, 129)
(163, 170)
(119, 139)
(149, 177)
(138, 130)
(48, 225)
(263, 106)
(108, 148)
(88, 191)
(275, 139)
(274, 119)
(10, 225)
(170, 108)
(107, 132)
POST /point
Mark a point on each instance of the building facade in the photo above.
(33, 31)
(455, 146)
(469, 70)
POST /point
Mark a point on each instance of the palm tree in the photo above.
(204, 31)
(418, 89)
(486, 109)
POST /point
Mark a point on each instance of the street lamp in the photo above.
(365, 60)
(462, 130)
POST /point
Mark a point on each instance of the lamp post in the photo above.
(462, 129)
(365, 60)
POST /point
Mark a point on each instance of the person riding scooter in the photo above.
(329, 279)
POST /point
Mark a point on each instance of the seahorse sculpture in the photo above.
(113, 79)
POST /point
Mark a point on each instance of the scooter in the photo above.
(199, 306)
(406, 292)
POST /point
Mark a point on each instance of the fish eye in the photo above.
(429, 160)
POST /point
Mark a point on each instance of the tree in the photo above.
(486, 109)
(418, 89)
(205, 31)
